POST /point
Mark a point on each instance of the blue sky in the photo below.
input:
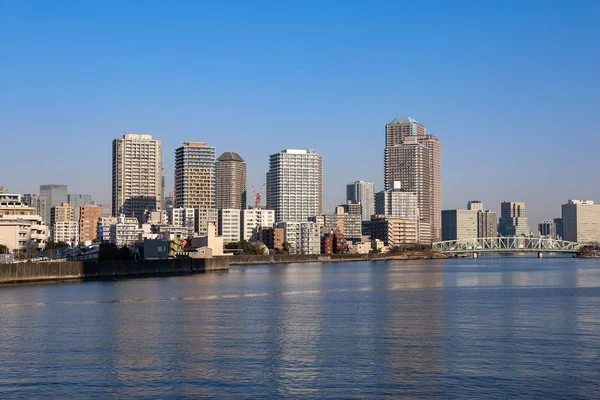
(511, 89)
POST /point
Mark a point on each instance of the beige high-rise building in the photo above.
(413, 157)
(581, 221)
(137, 181)
(195, 180)
(231, 181)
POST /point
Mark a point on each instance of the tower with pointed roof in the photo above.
(231, 181)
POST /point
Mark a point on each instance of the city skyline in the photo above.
(496, 97)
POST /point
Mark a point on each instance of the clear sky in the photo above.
(511, 88)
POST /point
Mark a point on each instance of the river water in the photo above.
(495, 327)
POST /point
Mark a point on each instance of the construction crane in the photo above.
(257, 196)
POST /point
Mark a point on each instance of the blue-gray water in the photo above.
(494, 328)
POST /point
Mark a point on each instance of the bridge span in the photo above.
(506, 245)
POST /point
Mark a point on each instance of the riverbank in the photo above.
(310, 258)
(90, 270)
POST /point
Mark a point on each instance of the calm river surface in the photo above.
(493, 327)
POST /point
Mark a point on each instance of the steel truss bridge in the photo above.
(506, 245)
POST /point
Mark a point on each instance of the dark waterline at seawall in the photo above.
(462, 328)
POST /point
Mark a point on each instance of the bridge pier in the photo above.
(540, 254)
(475, 255)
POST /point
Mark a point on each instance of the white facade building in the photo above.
(295, 185)
(66, 231)
(255, 218)
(184, 218)
(361, 192)
(124, 233)
(396, 202)
(137, 181)
(20, 226)
(303, 237)
(230, 225)
(203, 218)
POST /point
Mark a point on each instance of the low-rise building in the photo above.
(273, 238)
(124, 233)
(104, 224)
(184, 217)
(20, 227)
(302, 237)
(547, 229)
(254, 219)
(334, 242)
(66, 231)
(204, 217)
(394, 231)
(230, 225)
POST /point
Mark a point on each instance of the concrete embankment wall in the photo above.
(299, 258)
(56, 271)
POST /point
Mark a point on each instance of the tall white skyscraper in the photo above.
(361, 192)
(295, 185)
(137, 181)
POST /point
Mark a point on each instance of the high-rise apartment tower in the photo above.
(231, 181)
(137, 181)
(413, 157)
(295, 185)
(195, 176)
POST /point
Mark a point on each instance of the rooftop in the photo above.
(230, 156)
(404, 120)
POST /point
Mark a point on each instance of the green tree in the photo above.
(4, 249)
(52, 245)
(286, 247)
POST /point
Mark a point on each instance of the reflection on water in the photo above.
(492, 327)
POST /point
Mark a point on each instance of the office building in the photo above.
(395, 202)
(195, 176)
(78, 201)
(581, 221)
(513, 221)
(254, 219)
(38, 202)
(487, 224)
(137, 181)
(302, 237)
(459, 224)
(295, 185)
(475, 205)
(353, 208)
(230, 225)
(55, 196)
(558, 223)
(88, 223)
(231, 181)
(547, 229)
(413, 157)
(363, 193)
